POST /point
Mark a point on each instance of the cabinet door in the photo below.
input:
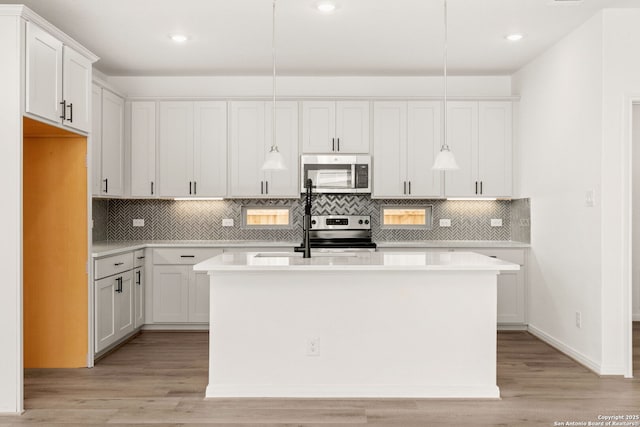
(462, 137)
(44, 74)
(423, 144)
(76, 89)
(105, 315)
(247, 149)
(494, 148)
(352, 126)
(283, 183)
(112, 144)
(318, 127)
(96, 140)
(210, 149)
(170, 293)
(125, 306)
(143, 148)
(138, 297)
(199, 285)
(175, 149)
(389, 149)
(511, 297)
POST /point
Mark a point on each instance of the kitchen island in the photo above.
(366, 324)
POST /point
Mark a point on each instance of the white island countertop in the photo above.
(368, 261)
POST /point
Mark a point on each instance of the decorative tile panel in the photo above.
(99, 209)
(202, 220)
(521, 220)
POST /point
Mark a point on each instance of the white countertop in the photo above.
(106, 248)
(385, 261)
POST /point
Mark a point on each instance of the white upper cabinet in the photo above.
(112, 154)
(143, 148)
(96, 140)
(480, 137)
(58, 81)
(76, 89)
(335, 127)
(406, 138)
(250, 141)
(192, 149)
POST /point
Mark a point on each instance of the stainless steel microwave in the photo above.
(336, 173)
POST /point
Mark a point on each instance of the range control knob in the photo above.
(366, 221)
(313, 222)
(360, 222)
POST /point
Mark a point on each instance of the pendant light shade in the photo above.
(274, 161)
(445, 161)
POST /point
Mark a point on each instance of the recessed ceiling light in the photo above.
(514, 37)
(326, 6)
(179, 38)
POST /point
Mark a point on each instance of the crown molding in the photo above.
(29, 15)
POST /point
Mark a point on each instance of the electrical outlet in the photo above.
(445, 223)
(496, 222)
(313, 347)
(138, 222)
(578, 319)
(227, 222)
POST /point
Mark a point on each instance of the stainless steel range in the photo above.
(341, 232)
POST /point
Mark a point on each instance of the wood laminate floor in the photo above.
(159, 378)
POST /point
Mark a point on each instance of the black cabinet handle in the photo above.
(333, 144)
(152, 188)
(138, 279)
(266, 186)
(338, 144)
(64, 110)
(119, 285)
(187, 256)
(106, 185)
(140, 257)
(409, 187)
(118, 263)
(70, 106)
(476, 187)
(195, 187)
(189, 187)
(405, 187)
(261, 187)
(480, 187)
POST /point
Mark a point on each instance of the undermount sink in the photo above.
(299, 254)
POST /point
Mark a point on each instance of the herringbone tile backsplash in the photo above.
(202, 220)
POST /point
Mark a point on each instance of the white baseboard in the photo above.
(352, 391)
(511, 327)
(566, 349)
(176, 327)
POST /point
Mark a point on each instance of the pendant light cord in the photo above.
(273, 57)
(444, 140)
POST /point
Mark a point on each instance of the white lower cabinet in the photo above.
(179, 294)
(113, 309)
(118, 298)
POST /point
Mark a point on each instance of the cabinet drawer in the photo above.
(111, 265)
(138, 258)
(184, 256)
(515, 256)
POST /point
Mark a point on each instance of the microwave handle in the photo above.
(354, 177)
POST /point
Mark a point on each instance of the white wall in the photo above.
(239, 86)
(636, 212)
(558, 159)
(621, 80)
(11, 216)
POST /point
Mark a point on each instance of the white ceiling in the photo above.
(363, 37)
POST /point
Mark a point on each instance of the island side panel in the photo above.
(379, 334)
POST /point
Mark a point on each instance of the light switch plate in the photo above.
(496, 222)
(445, 223)
(227, 222)
(138, 222)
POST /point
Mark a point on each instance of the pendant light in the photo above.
(274, 160)
(445, 160)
